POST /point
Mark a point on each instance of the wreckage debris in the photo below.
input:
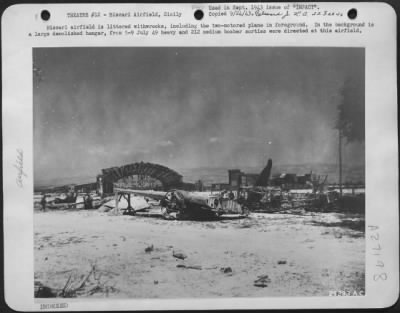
(42, 291)
(77, 285)
(226, 270)
(192, 267)
(262, 281)
(149, 249)
(282, 262)
(244, 225)
(337, 235)
(179, 255)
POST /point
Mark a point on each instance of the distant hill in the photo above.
(60, 181)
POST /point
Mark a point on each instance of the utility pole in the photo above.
(340, 163)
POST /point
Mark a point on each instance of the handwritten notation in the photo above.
(19, 165)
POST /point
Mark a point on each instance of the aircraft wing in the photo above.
(156, 195)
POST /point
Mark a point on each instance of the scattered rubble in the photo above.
(77, 285)
(247, 225)
(42, 291)
(190, 259)
(104, 208)
(338, 235)
(262, 281)
(226, 270)
(193, 267)
(179, 255)
(149, 249)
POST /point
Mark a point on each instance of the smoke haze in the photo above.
(189, 107)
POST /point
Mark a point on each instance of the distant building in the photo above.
(199, 186)
(220, 186)
(239, 179)
(235, 178)
(303, 179)
(291, 180)
(84, 188)
(249, 180)
(188, 186)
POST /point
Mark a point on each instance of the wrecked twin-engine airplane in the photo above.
(181, 204)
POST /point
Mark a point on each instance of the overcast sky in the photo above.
(189, 107)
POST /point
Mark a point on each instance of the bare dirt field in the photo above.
(93, 254)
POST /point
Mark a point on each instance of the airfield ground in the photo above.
(103, 255)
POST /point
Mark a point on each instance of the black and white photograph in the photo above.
(198, 172)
